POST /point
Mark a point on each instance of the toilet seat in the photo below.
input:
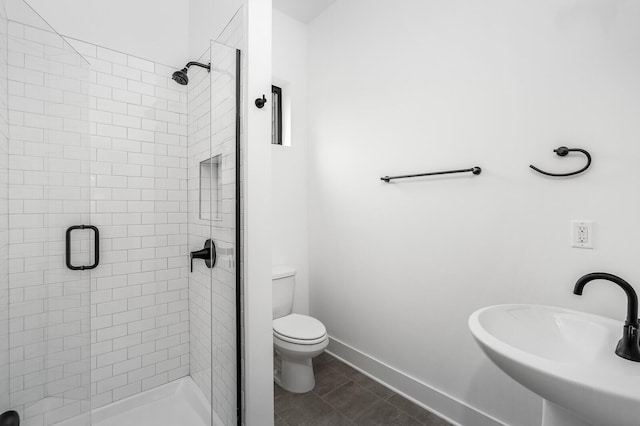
(299, 329)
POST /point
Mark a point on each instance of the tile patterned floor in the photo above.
(344, 396)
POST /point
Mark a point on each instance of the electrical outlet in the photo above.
(582, 234)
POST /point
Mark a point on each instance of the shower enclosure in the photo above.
(111, 174)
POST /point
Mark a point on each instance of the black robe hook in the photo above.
(260, 102)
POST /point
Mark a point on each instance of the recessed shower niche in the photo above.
(210, 188)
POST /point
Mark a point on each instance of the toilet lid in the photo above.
(299, 327)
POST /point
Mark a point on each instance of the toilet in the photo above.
(296, 338)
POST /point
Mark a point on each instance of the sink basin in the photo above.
(567, 357)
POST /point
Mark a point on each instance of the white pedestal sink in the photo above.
(567, 357)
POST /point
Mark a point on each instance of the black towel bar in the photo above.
(474, 170)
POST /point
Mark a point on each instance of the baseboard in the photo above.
(438, 402)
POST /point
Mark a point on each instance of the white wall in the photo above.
(153, 29)
(258, 356)
(416, 86)
(207, 19)
(289, 163)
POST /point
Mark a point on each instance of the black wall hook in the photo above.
(563, 151)
(260, 102)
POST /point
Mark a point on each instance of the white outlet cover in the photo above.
(582, 234)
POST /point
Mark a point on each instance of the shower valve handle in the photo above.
(208, 254)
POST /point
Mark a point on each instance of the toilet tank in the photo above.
(283, 287)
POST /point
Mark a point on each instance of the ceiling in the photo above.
(302, 10)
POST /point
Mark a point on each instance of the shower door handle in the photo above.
(96, 247)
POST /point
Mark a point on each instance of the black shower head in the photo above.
(180, 77)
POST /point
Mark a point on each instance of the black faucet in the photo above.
(629, 346)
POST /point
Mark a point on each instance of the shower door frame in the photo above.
(239, 247)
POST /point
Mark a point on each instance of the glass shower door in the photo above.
(225, 232)
(45, 332)
(5, 403)
(213, 214)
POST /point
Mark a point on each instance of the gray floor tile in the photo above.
(301, 409)
(343, 396)
(419, 413)
(347, 370)
(279, 421)
(351, 399)
(325, 358)
(363, 380)
(305, 410)
(278, 392)
(372, 386)
(384, 414)
(327, 379)
(329, 418)
(316, 362)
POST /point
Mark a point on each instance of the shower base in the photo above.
(180, 402)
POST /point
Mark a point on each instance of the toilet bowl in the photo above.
(296, 338)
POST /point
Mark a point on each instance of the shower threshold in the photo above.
(180, 402)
